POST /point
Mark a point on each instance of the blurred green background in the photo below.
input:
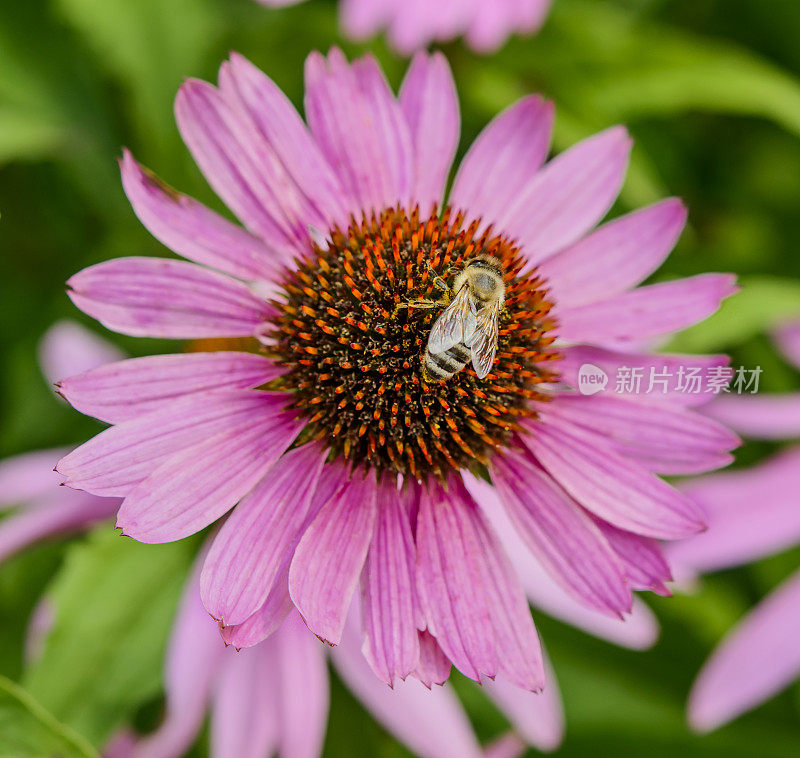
(710, 90)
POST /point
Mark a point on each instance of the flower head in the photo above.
(751, 513)
(413, 24)
(347, 463)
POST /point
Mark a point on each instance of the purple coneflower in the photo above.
(345, 464)
(413, 24)
(751, 514)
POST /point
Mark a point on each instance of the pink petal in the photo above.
(155, 297)
(638, 631)
(387, 591)
(198, 485)
(245, 719)
(68, 348)
(357, 122)
(452, 581)
(194, 657)
(645, 566)
(118, 459)
(433, 666)
(610, 486)
(361, 19)
(613, 363)
(616, 256)
(787, 337)
(560, 533)
(129, 389)
(763, 417)
(328, 561)
(432, 724)
(247, 553)
(239, 166)
(504, 157)
(755, 661)
(307, 172)
(647, 311)
(65, 512)
(666, 439)
(429, 103)
(29, 476)
(537, 717)
(194, 231)
(569, 195)
(751, 514)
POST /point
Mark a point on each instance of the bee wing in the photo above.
(455, 324)
(484, 342)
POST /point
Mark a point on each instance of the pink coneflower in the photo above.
(413, 24)
(751, 514)
(348, 466)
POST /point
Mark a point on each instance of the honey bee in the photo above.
(467, 328)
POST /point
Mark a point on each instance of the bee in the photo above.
(467, 328)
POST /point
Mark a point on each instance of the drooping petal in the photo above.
(156, 297)
(504, 157)
(388, 601)
(328, 561)
(194, 657)
(194, 231)
(569, 195)
(616, 256)
(29, 476)
(744, 524)
(645, 566)
(647, 311)
(666, 439)
(68, 348)
(610, 486)
(639, 630)
(678, 368)
(430, 723)
(131, 388)
(763, 416)
(196, 486)
(452, 581)
(247, 553)
(358, 123)
(560, 533)
(755, 661)
(433, 666)
(119, 458)
(537, 717)
(429, 103)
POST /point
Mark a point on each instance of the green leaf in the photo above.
(761, 304)
(114, 601)
(27, 730)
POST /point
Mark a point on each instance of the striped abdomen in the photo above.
(439, 366)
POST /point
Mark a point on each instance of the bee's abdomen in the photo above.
(441, 366)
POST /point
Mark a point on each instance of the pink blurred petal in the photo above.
(156, 297)
(429, 103)
(452, 581)
(569, 195)
(29, 476)
(763, 416)
(68, 348)
(125, 390)
(647, 311)
(194, 487)
(787, 338)
(194, 231)
(504, 157)
(361, 19)
(610, 486)
(116, 460)
(559, 532)
(246, 555)
(616, 256)
(388, 602)
(755, 661)
(327, 563)
(358, 123)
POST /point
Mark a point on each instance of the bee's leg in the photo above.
(439, 282)
(423, 304)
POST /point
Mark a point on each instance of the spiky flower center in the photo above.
(356, 361)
